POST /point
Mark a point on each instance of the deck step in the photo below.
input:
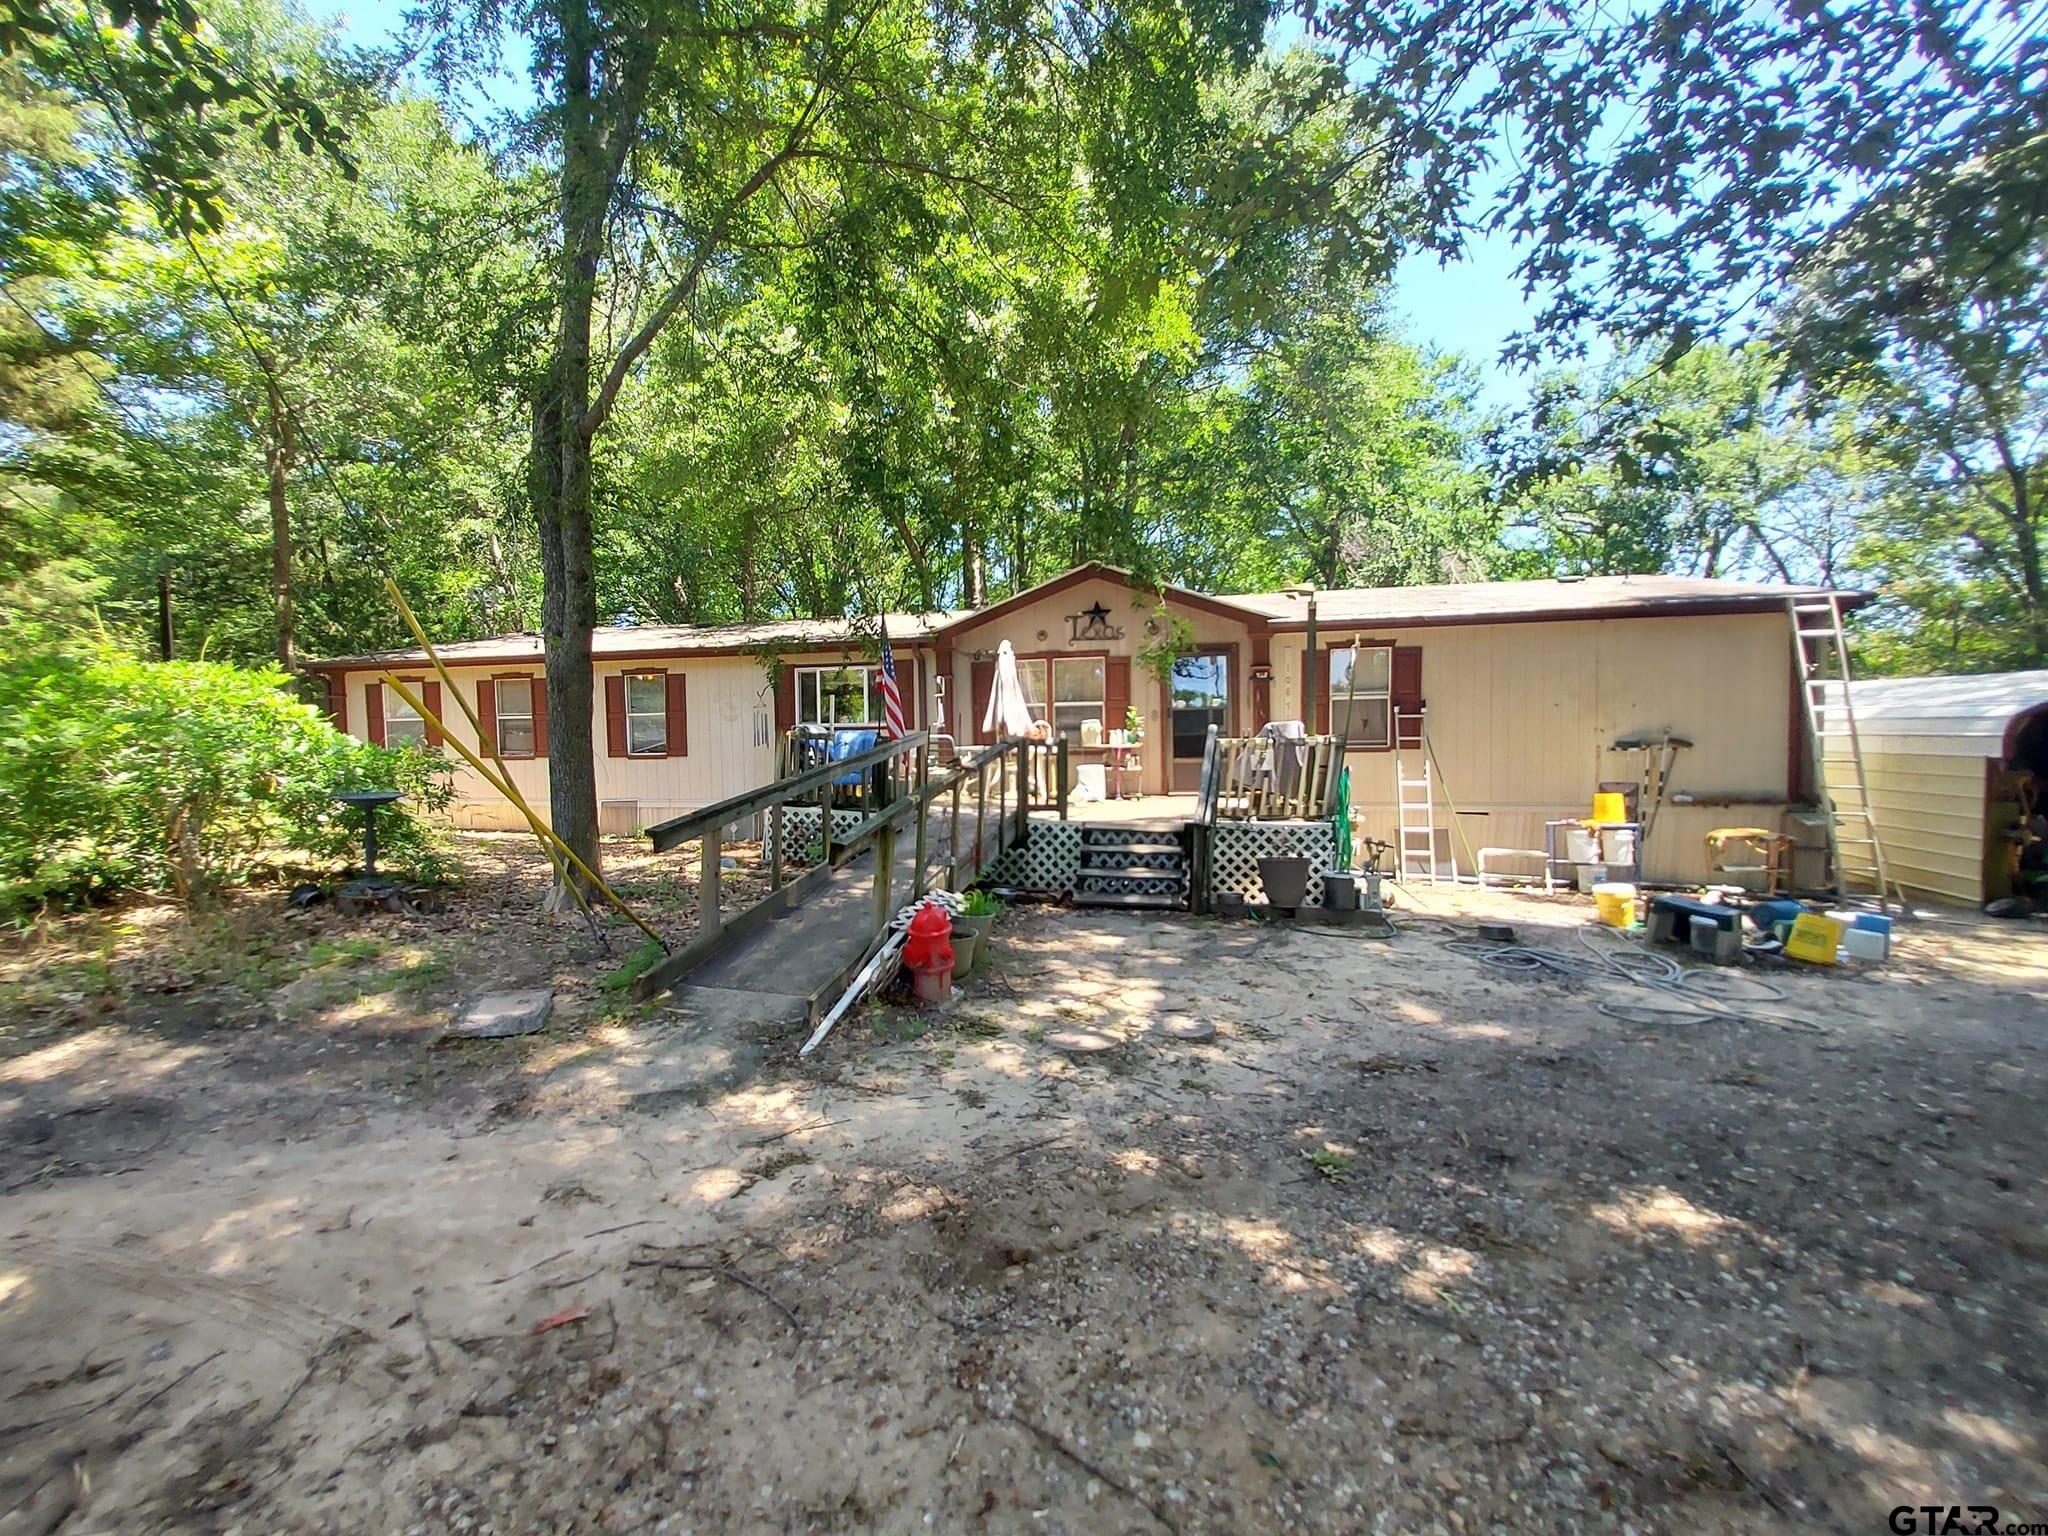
(1151, 869)
(1120, 884)
(1129, 900)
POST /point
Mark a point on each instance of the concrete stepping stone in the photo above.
(1181, 1027)
(499, 1015)
(1082, 1042)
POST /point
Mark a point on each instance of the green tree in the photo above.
(1704, 465)
(1927, 320)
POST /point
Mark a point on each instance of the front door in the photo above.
(1197, 697)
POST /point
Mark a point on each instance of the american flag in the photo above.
(892, 697)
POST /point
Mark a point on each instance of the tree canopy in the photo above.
(813, 306)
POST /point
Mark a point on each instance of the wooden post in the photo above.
(980, 814)
(776, 833)
(885, 869)
(1065, 780)
(708, 917)
(1023, 799)
(953, 842)
(825, 822)
(922, 801)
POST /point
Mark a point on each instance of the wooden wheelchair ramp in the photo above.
(790, 954)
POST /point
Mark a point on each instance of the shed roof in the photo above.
(1480, 602)
(1976, 712)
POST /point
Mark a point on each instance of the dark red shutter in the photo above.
(983, 683)
(1407, 678)
(678, 717)
(337, 699)
(615, 715)
(373, 709)
(785, 699)
(430, 695)
(487, 715)
(540, 717)
(1116, 691)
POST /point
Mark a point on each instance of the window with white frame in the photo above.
(402, 723)
(646, 714)
(1065, 690)
(514, 709)
(837, 696)
(1079, 693)
(1363, 713)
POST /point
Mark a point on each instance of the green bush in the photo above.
(186, 776)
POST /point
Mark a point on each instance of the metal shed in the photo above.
(1956, 768)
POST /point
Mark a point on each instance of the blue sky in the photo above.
(1470, 307)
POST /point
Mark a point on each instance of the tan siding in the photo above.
(1128, 611)
(725, 695)
(1522, 716)
(1929, 809)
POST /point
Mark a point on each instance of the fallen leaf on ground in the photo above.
(559, 1319)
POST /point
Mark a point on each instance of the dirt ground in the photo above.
(1409, 1245)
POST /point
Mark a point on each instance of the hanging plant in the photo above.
(1175, 637)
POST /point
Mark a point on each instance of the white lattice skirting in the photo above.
(1235, 848)
(800, 825)
(1047, 865)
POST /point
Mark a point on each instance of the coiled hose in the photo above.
(1702, 994)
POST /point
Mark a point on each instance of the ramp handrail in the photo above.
(723, 813)
(920, 790)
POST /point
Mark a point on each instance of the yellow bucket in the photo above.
(1814, 939)
(1609, 805)
(1615, 901)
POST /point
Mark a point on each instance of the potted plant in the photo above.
(966, 946)
(970, 925)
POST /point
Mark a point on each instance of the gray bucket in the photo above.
(1340, 890)
(1285, 880)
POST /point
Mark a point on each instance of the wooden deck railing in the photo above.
(895, 781)
(1249, 778)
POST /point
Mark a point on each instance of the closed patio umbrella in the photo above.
(1008, 712)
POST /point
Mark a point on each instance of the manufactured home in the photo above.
(1533, 696)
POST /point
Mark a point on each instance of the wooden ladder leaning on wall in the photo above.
(1820, 653)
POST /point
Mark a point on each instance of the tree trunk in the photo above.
(279, 452)
(973, 568)
(560, 470)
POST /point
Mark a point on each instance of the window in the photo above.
(514, 704)
(1078, 694)
(1371, 710)
(836, 696)
(1031, 677)
(646, 714)
(403, 726)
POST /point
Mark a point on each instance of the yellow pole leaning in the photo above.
(504, 785)
(540, 828)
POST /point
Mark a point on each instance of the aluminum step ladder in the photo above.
(1820, 651)
(1414, 798)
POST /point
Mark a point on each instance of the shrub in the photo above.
(182, 775)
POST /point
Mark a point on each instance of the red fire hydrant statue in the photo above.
(928, 951)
